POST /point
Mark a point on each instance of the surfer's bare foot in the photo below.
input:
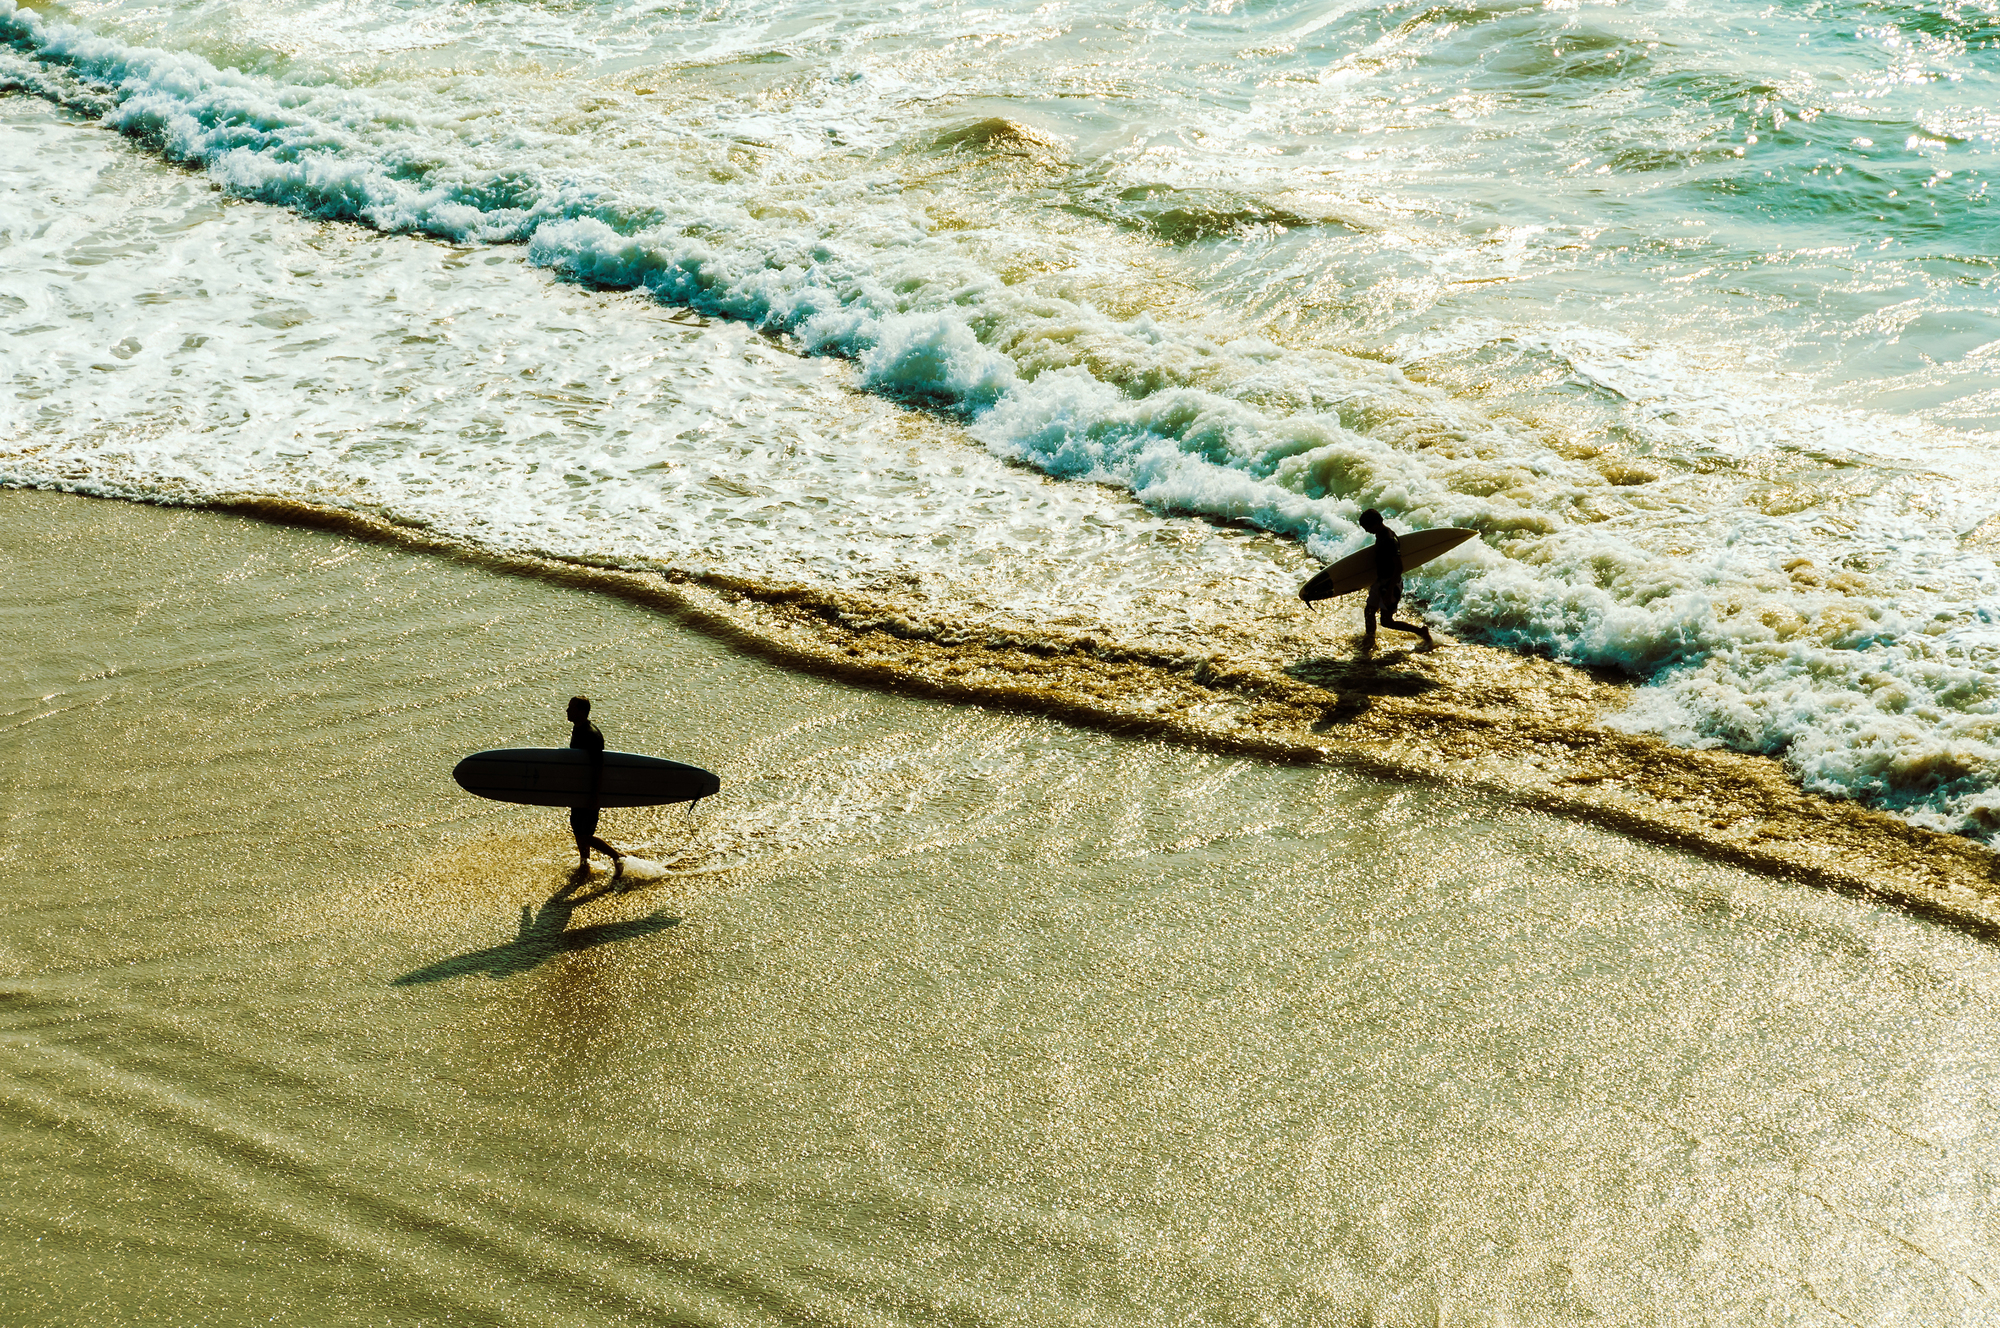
(617, 867)
(1428, 643)
(1368, 644)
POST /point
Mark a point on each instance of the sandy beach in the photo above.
(924, 417)
(938, 1011)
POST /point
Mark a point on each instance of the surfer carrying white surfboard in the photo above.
(1387, 593)
(584, 736)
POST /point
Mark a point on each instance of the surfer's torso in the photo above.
(585, 736)
(1388, 557)
(1387, 592)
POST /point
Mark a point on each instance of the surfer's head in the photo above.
(1371, 520)
(579, 709)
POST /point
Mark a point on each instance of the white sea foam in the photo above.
(172, 343)
(1785, 586)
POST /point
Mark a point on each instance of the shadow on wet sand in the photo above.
(544, 933)
(1355, 684)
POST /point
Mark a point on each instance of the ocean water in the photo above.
(1107, 316)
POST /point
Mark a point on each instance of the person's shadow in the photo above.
(1355, 683)
(544, 934)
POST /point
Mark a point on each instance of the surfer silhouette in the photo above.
(1387, 592)
(584, 736)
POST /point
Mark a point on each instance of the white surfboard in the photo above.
(1357, 570)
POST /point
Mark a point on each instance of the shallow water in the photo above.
(1689, 313)
(941, 1015)
(991, 350)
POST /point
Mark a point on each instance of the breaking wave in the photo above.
(1726, 559)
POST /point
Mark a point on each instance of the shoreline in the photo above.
(1528, 732)
(271, 966)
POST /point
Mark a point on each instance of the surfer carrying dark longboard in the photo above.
(1387, 593)
(584, 736)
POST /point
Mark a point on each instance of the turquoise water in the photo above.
(1110, 319)
(1691, 312)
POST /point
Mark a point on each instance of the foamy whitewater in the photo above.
(1690, 311)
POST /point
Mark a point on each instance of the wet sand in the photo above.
(939, 1013)
(1295, 686)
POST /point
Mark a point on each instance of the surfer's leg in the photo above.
(583, 825)
(1414, 629)
(1389, 597)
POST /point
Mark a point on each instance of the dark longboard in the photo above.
(1357, 570)
(560, 777)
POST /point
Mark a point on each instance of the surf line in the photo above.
(1515, 730)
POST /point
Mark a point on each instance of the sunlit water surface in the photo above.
(937, 1015)
(1690, 311)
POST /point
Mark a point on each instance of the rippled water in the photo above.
(1691, 313)
(939, 1015)
(1107, 318)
